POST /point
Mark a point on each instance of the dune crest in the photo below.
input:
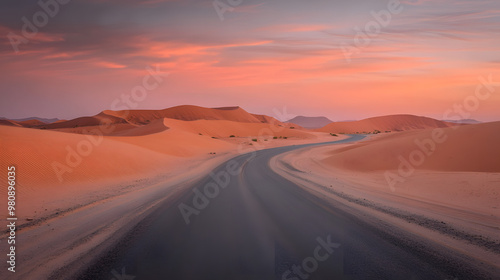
(385, 123)
(8, 123)
(99, 119)
(185, 113)
(154, 127)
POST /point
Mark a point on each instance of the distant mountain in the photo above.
(385, 123)
(463, 121)
(26, 122)
(310, 122)
(43, 120)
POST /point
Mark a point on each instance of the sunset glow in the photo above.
(306, 56)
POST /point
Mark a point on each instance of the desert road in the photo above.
(259, 225)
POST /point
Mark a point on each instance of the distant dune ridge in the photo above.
(43, 120)
(31, 123)
(463, 121)
(310, 122)
(155, 136)
(28, 122)
(8, 122)
(99, 119)
(385, 123)
(190, 113)
(132, 119)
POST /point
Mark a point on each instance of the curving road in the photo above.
(257, 225)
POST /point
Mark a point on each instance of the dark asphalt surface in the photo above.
(260, 226)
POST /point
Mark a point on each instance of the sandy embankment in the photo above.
(451, 197)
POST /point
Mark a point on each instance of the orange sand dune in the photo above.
(9, 123)
(138, 121)
(94, 157)
(131, 130)
(107, 130)
(200, 136)
(173, 137)
(54, 165)
(471, 148)
(384, 123)
(133, 150)
(187, 113)
(121, 121)
(37, 154)
(27, 123)
(98, 119)
(31, 123)
(271, 120)
(225, 128)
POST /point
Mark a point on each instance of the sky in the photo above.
(345, 60)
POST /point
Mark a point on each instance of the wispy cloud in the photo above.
(289, 48)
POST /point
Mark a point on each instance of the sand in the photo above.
(9, 123)
(471, 148)
(384, 124)
(190, 113)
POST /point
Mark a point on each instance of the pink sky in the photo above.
(263, 56)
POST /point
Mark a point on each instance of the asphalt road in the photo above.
(257, 225)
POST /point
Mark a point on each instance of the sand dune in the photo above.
(106, 130)
(188, 113)
(202, 136)
(24, 123)
(384, 123)
(42, 120)
(36, 149)
(174, 137)
(57, 169)
(271, 120)
(132, 119)
(31, 123)
(89, 158)
(8, 123)
(472, 148)
(225, 128)
(131, 130)
(99, 119)
(56, 166)
(135, 148)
